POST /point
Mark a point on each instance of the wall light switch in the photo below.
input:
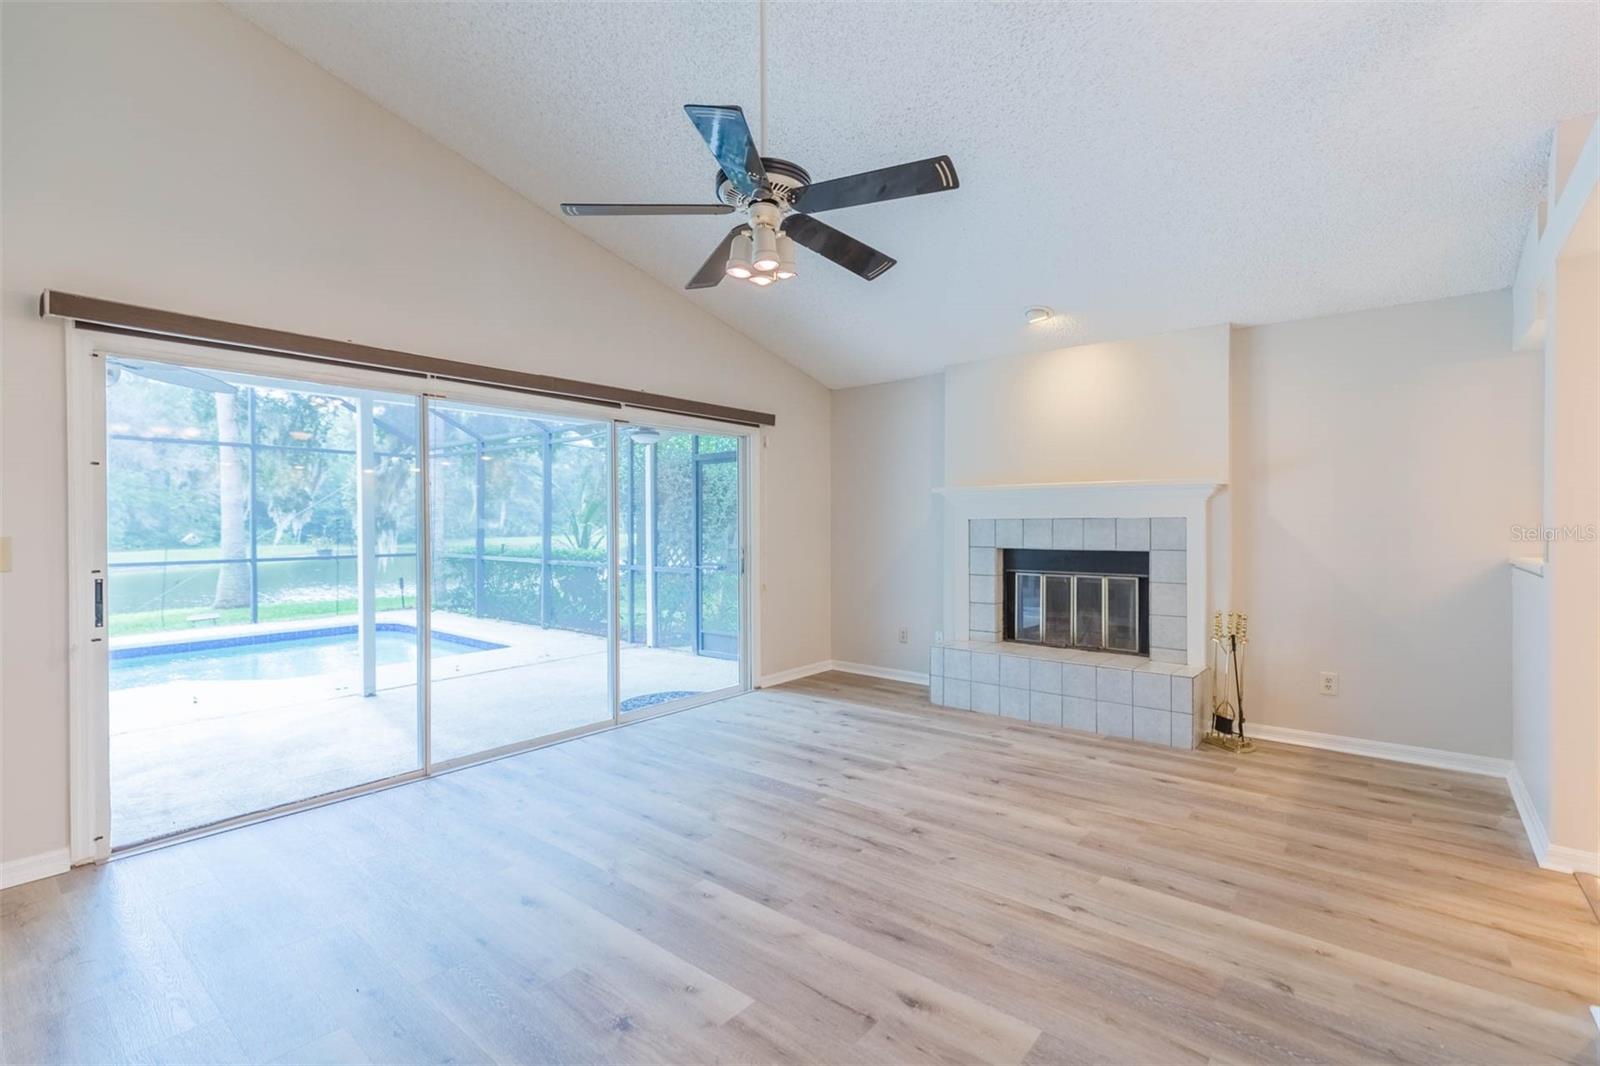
(903, 634)
(1329, 684)
(5, 555)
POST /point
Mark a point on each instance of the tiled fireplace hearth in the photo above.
(1097, 692)
(1080, 606)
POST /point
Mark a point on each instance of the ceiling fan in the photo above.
(778, 200)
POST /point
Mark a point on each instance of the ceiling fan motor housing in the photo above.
(784, 180)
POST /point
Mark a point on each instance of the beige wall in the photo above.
(1152, 408)
(1531, 740)
(1381, 459)
(1556, 648)
(176, 156)
(1377, 462)
(1572, 503)
(888, 457)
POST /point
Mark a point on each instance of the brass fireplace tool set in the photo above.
(1229, 635)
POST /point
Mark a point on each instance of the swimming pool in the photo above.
(276, 656)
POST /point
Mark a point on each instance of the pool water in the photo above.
(333, 651)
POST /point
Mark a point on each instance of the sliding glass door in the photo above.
(261, 596)
(680, 563)
(311, 585)
(519, 528)
(718, 549)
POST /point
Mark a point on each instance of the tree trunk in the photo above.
(233, 485)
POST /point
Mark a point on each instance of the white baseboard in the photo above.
(34, 867)
(783, 677)
(1556, 857)
(1437, 758)
(1571, 860)
(1532, 826)
(910, 677)
(1549, 856)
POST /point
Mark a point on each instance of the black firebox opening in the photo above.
(1049, 561)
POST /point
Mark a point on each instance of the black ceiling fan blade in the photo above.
(645, 209)
(713, 270)
(728, 136)
(873, 186)
(861, 259)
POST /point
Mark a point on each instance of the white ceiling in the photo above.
(1139, 168)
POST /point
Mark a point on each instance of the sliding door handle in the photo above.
(99, 602)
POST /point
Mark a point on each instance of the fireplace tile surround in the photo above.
(1165, 539)
(1094, 692)
(1157, 699)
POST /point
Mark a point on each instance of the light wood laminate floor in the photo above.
(831, 871)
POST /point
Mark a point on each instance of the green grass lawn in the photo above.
(149, 597)
(518, 547)
(128, 623)
(264, 552)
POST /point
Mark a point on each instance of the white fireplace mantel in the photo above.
(1157, 496)
(1187, 500)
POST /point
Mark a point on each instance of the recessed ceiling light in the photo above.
(1039, 315)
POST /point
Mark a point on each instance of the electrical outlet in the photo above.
(1328, 684)
(904, 635)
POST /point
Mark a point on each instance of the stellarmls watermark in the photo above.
(1575, 532)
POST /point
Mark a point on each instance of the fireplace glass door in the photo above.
(1087, 630)
(1029, 607)
(1058, 610)
(1122, 614)
(1094, 612)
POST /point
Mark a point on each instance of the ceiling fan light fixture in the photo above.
(785, 269)
(777, 196)
(739, 258)
(766, 258)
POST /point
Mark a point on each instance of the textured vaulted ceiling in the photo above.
(1138, 167)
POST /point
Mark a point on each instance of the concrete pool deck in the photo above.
(188, 753)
